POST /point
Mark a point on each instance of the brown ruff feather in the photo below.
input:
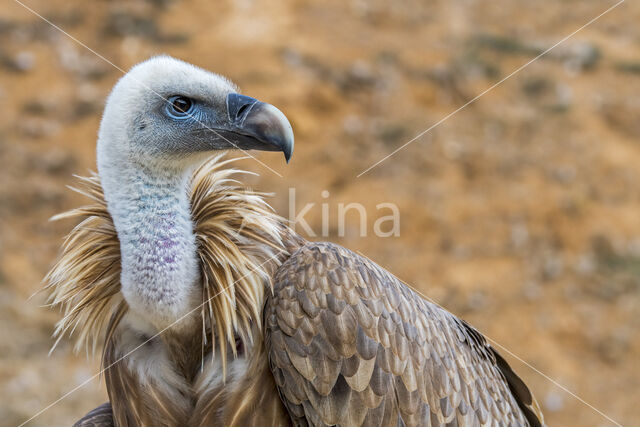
(239, 243)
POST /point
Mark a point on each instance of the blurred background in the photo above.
(520, 213)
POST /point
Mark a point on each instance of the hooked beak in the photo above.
(256, 125)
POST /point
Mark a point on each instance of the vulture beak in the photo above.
(255, 125)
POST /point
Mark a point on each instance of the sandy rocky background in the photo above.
(521, 213)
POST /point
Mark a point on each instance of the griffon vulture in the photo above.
(211, 311)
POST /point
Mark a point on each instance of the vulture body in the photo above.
(211, 311)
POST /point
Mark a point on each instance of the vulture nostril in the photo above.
(238, 106)
(242, 110)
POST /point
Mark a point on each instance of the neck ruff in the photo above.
(239, 244)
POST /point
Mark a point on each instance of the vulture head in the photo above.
(166, 111)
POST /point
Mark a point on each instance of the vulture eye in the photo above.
(179, 106)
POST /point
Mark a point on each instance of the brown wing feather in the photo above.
(350, 344)
(102, 416)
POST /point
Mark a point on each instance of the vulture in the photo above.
(211, 311)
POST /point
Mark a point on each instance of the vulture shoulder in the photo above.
(349, 344)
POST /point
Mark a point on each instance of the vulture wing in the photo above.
(102, 416)
(349, 344)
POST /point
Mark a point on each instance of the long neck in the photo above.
(151, 213)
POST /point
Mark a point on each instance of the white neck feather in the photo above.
(152, 216)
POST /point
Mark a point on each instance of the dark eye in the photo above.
(179, 106)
